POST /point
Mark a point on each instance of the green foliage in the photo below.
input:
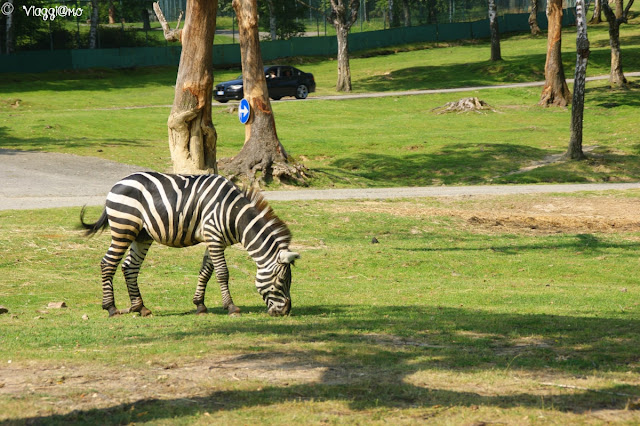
(288, 16)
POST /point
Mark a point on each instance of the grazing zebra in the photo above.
(182, 211)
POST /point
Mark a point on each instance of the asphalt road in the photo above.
(34, 180)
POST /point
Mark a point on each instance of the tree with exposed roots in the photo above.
(555, 91)
(574, 152)
(342, 17)
(621, 15)
(262, 157)
(192, 136)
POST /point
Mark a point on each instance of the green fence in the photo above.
(229, 54)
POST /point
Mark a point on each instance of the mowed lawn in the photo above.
(466, 310)
(472, 310)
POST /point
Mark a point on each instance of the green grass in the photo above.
(440, 320)
(398, 141)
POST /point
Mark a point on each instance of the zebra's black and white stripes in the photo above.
(185, 210)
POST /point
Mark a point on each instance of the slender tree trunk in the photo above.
(344, 69)
(10, 42)
(93, 30)
(619, 8)
(597, 12)
(262, 156)
(144, 14)
(272, 20)
(574, 151)
(555, 92)
(616, 76)
(112, 13)
(533, 18)
(192, 136)
(342, 19)
(406, 13)
(495, 31)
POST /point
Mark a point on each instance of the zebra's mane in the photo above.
(260, 204)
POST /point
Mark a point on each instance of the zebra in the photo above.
(185, 210)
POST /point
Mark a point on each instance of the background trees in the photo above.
(555, 91)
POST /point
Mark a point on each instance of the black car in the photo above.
(282, 80)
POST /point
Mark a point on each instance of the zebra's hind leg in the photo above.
(131, 269)
(108, 266)
(203, 278)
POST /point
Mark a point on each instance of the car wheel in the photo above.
(276, 98)
(302, 92)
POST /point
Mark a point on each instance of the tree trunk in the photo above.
(342, 19)
(146, 24)
(272, 20)
(616, 76)
(597, 12)
(574, 151)
(495, 32)
(533, 19)
(344, 68)
(192, 137)
(93, 30)
(10, 42)
(619, 8)
(112, 13)
(555, 92)
(406, 13)
(262, 156)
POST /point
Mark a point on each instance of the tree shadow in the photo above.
(470, 163)
(390, 368)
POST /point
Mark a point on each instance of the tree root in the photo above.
(259, 173)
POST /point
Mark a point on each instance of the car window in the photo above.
(286, 72)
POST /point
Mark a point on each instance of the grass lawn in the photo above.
(398, 141)
(468, 309)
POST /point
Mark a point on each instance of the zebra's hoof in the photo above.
(233, 310)
(144, 312)
(201, 309)
(113, 311)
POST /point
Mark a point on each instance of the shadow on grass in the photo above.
(99, 79)
(8, 140)
(391, 368)
(456, 164)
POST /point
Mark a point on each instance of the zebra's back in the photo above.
(170, 208)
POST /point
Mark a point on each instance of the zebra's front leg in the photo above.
(131, 269)
(216, 253)
(203, 278)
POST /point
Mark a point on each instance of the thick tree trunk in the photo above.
(272, 20)
(495, 31)
(555, 92)
(574, 151)
(616, 76)
(93, 30)
(10, 41)
(192, 137)
(597, 12)
(262, 156)
(533, 19)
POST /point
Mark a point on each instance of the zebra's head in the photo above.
(275, 284)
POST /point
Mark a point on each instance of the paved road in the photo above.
(33, 180)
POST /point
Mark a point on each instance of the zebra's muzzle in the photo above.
(281, 311)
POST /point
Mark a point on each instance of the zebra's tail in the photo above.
(93, 228)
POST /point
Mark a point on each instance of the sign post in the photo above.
(244, 111)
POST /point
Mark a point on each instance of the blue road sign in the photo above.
(244, 111)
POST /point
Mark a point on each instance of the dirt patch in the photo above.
(521, 214)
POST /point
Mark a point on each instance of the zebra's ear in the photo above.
(286, 256)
